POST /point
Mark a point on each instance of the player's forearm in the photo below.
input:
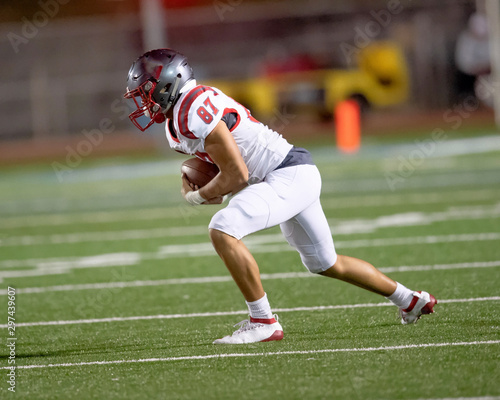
(224, 183)
(222, 149)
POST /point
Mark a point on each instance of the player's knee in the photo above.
(316, 257)
(317, 263)
(229, 221)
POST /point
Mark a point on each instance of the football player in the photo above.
(270, 182)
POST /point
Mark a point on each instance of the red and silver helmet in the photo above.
(154, 82)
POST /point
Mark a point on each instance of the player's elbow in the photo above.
(237, 178)
(242, 176)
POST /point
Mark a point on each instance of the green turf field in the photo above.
(118, 293)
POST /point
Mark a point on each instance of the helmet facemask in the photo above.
(146, 106)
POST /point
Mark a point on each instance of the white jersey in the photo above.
(199, 110)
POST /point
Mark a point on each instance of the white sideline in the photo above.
(263, 354)
(226, 313)
(486, 174)
(228, 278)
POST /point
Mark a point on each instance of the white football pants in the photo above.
(288, 197)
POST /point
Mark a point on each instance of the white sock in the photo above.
(260, 308)
(402, 296)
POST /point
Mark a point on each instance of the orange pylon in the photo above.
(348, 126)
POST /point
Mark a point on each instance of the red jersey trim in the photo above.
(204, 156)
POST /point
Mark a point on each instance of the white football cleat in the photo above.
(254, 330)
(422, 303)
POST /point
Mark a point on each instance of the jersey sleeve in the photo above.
(199, 112)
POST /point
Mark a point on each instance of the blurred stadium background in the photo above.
(119, 291)
(64, 65)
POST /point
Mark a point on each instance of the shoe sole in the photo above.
(277, 335)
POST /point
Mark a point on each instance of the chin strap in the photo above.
(160, 118)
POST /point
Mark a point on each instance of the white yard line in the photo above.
(227, 278)
(409, 219)
(81, 237)
(265, 354)
(339, 227)
(392, 198)
(94, 217)
(161, 282)
(417, 181)
(468, 265)
(257, 244)
(226, 313)
(395, 198)
(419, 240)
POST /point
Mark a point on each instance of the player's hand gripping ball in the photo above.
(196, 174)
(199, 172)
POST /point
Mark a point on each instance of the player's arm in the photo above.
(233, 175)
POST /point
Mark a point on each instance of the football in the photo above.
(198, 171)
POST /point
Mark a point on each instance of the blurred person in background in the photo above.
(472, 55)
